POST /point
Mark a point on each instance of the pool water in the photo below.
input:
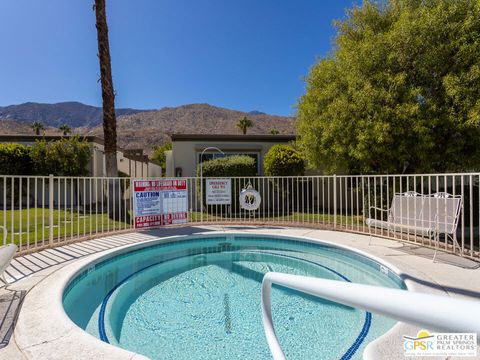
(201, 298)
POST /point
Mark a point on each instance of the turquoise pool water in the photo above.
(200, 298)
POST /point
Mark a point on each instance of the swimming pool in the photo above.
(199, 297)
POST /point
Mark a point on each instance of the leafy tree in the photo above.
(37, 127)
(244, 123)
(274, 132)
(283, 160)
(158, 155)
(15, 159)
(65, 129)
(400, 91)
(65, 157)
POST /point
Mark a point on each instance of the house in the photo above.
(187, 150)
(130, 162)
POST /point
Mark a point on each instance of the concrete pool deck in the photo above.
(42, 332)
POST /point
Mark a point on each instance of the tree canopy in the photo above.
(283, 160)
(37, 127)
(243, 124)
(158, 156)
(400, 91)
(64, 157)
(65, 129)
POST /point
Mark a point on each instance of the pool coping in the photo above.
(36, 335)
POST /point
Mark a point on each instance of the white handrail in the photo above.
(434, 312)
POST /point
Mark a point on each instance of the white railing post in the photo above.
(50, 209)
(448, 314)
(334, 201)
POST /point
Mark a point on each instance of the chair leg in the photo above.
(455, 244)
(436, 239)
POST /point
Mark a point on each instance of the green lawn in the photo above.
(296, 217)
(70, 224)
(65, 225)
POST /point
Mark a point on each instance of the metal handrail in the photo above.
(434, 312)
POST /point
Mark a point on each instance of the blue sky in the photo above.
(245, 55)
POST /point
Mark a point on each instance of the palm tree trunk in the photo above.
(115, 194)
(108, 95)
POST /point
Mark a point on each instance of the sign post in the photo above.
(159, 202)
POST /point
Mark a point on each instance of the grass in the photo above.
(296, 217)
(32, 226)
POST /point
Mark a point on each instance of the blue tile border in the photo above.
(346, 356)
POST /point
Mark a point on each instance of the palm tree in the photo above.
(244, 123)
(65, 129)
(108, 94)
(37, 127)
(118, 210)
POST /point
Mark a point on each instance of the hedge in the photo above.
(238, 165)
(15, 159)
(64, 157)
(283, 160)
(241, 165)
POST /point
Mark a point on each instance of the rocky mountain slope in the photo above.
(72, 113)
(150, 128)
(147, 129)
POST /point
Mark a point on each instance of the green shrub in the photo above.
(283, 160)
(241, 165)
(15, 159)
(158, 156)
(65, 157)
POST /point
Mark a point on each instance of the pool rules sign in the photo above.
(159, 202)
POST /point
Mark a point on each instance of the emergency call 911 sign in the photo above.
(160, 202)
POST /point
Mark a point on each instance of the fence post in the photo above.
(50, 209)
(334, 201)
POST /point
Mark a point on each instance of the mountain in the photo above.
(74, 114)
(12, 127)
(139, 129)
(148, 129)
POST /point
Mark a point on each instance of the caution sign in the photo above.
(160, 202)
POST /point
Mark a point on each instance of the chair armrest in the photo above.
(453, 218)
(376, 208)
(445, 216)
